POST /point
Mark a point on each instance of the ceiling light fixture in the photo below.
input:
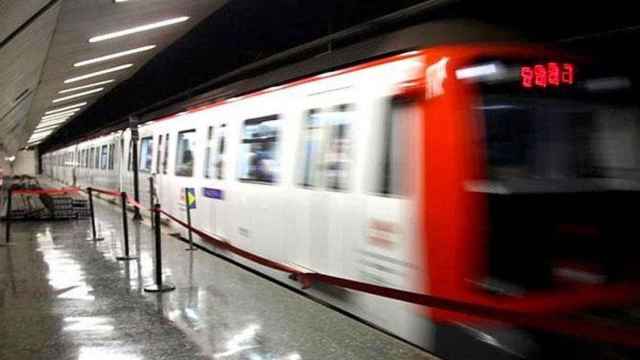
(53, 122)
(35, 137)
(60, 114)
(57, 122)
(57, 118)
(98, 73)
(48, 127)
(114, 55)
(137, 29)
(58, 110)
(44, 129)
(84, 93)
(85, 86)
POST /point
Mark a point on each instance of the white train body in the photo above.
(318, 225)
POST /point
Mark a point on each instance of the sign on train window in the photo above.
(396, 162)
(184, 155)
(146, 154)
(327, 148)
(104, 157)
(165, 156)
(259, 150)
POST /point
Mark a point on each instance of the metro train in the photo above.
(493, 173)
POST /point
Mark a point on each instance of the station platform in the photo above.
(64, 296)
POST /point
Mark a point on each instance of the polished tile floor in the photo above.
(65, 297)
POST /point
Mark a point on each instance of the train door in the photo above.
(389, 250)
(326, 223)
(213, 192)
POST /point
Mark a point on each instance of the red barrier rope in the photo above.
(622, 336)
(538, 320)
(134, 203)
(46, 191)
(106, 192)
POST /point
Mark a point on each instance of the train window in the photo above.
(92, 154)
(214, 162)
(104, 157)
(184, 153)
(327, 143)
(158, 154)
(111, 158)
(402, 116)
(259, 150)
(165, 155)
(97, 158)
(219, 162)
(130, 154)
(208, 159)
(146, 154)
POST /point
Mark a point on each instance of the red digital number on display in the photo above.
(547, 75)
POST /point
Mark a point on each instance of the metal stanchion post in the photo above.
(152, 192)
(125, 229)
(188, 206)
(7, 219)
(158, 286)
(93, 217)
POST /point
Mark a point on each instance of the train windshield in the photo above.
(562, 150)
(550, 145)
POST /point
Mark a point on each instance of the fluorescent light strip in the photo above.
(54, 121)
(64, 113)
(40, 136)
(137, 29)
(45, 130)
(114, 56)
(98, 73)
(84, 93)
(58, 110)
(86, 86)
(62, 118)
(41, 133)
(44, 126)
(56, 118)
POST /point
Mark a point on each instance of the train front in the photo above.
(532, 179)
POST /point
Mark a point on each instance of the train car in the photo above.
(493, 174)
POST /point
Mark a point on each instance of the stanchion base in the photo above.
(96, 239)
(126, 258)
(191, 249)
(159, 289)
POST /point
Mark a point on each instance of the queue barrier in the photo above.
(14, 191)
(555, 318)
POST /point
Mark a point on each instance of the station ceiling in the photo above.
(50, 49)
(41, 40)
